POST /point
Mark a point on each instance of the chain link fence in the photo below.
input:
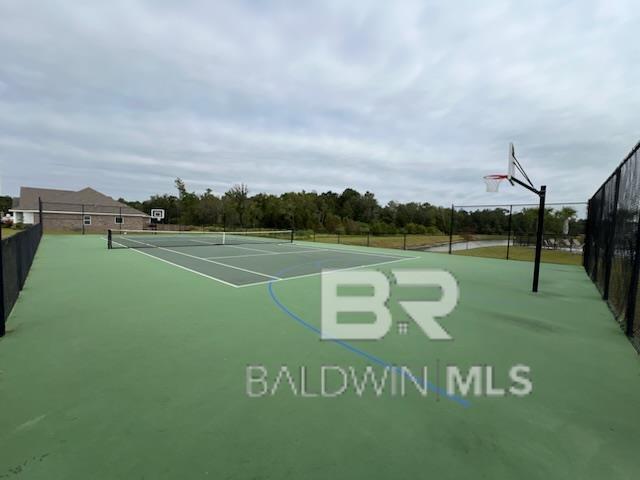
(508, 231)
(612, 250)
(16, 256)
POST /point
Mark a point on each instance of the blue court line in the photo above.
(425, 383)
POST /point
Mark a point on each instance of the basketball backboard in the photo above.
(511, 162)
(157, 214)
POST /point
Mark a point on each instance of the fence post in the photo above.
(633, 289)
(610, 237)
(2, 308)
(451, 229)
(509, 228)
(587, 238)
(40, 219)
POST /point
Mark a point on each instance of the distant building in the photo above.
(86, 210)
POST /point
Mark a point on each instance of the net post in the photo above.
(109, 239)
(539, 238)
(608, 255)
(224, 238)
(451, 229)
(2, 307)
(509, 230)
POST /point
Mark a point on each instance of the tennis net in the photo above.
(167, 239)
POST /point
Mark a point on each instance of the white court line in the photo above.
(180, 266)
(361, 252)
(210, 261)
(248, 248)
(284, 279)
(276, 279)
(267, 254)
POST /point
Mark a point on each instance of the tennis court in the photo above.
(243, 259)
(132, 363)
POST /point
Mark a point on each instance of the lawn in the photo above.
(7, 232)
(524, 253)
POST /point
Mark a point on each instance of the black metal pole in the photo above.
(608, 255)
(2, 308)
(632, 294)
(451, 229)
(109, 239)
(539, 238)
(509, 230)
(40, 213)
(587, 238)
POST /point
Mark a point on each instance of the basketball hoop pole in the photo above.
(539, 237)
(542, 193)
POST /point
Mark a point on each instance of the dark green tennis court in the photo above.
(249, 264)
(133, 363)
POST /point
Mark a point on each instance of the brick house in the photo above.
(86, 210)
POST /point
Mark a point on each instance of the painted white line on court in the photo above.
(212, 261)
(284, 279)
(361, 252)
(267, 254)
(180, 266)
(248, 248)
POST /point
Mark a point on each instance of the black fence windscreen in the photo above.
(612, 251)
(16, 256)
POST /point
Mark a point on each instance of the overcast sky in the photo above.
(410, 100)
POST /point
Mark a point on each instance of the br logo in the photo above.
(423, 312)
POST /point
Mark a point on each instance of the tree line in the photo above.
(348, 212)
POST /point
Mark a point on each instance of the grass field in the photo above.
(121, 365)
(524, 253)
(7, 232)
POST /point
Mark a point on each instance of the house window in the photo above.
(86, 219)
(119, 220)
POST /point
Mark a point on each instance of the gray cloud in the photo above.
(411, 100)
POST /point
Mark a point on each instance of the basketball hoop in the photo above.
(493, 181)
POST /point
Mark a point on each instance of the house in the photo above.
(86, 210)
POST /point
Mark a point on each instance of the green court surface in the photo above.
(132, 364)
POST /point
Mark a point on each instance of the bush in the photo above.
(382, 228)
(431, 230)
(415, 228)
